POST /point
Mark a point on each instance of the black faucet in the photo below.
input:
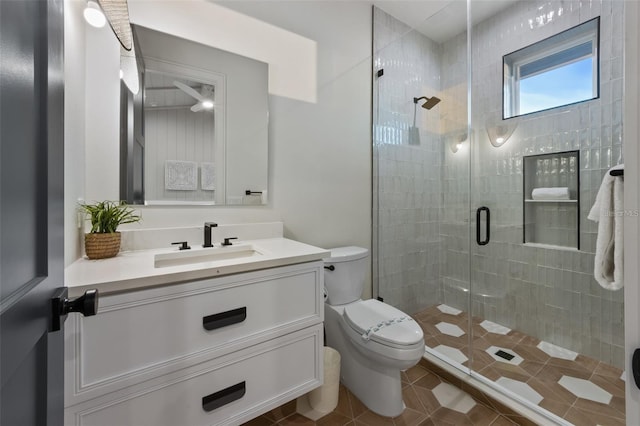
(207, 233)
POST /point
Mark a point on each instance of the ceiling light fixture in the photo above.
(93, 15)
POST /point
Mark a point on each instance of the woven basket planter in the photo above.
(101, 246)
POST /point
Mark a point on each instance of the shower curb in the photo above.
(508, 407)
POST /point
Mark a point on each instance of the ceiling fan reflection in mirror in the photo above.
(204, 97)
(167, 92)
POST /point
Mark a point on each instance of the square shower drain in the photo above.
(505, 355)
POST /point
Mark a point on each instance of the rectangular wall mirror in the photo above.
(197, 132)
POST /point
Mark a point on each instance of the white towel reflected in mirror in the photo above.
(208, 176)
(181, 175)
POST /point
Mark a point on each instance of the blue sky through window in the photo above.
(561, 86)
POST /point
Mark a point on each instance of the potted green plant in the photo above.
(103, 240)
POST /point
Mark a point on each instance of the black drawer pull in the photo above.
(223, 397)
(224, 319)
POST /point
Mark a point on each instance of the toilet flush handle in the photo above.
(330, 267)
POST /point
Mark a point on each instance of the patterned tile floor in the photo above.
(580, 389)
(430, 400)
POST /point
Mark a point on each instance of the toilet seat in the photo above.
(383, 324)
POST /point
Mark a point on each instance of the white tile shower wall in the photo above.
(548, 293)
(407, 184)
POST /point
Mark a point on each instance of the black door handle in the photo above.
(488, 226)
(87, 305)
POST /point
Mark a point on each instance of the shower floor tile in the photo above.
(546, 371)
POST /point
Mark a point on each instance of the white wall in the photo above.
(91, 122)
(291, 56)
(102, 115)
(91, 119)
(319, 151)
(74, 89)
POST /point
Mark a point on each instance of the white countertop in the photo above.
(135, 269)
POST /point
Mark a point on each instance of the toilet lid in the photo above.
(346, 254)
(382, 323)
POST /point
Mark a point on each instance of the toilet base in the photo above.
(380, 391)
(376, 385)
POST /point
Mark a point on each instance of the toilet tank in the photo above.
(344, 284)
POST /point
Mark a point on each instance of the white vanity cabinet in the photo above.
(216, 351)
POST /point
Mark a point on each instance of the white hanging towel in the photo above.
(608, 211)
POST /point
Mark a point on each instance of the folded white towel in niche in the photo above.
(608, 211)
(555, 193)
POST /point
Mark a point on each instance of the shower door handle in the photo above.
(635, 366)
(488, 226)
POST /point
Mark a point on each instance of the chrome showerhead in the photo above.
(429, 102)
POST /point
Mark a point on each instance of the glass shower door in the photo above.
(543, 330)
(421, 174)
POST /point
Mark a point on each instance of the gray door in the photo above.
(31, 210)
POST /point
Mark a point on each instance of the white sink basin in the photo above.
(190, 257)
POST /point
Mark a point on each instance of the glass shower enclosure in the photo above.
(480, 222)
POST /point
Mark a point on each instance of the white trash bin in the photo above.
(323, 400)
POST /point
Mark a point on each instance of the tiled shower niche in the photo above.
(552, 216)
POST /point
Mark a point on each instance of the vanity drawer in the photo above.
(141, 335)
(245, 385)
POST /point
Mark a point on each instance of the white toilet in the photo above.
(375, 340)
